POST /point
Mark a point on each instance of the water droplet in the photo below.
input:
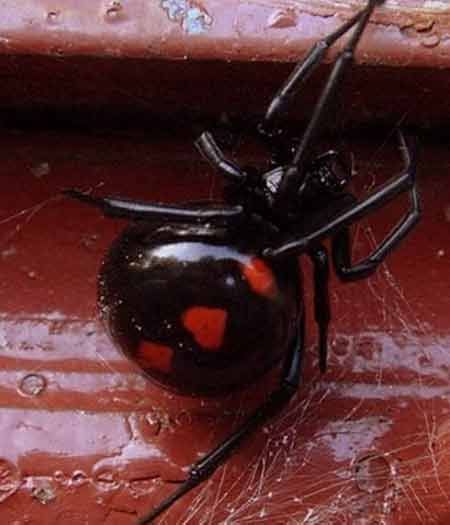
(424, 361)
(184, 418)
(56, 51)
(114, 11)
(367, 347)
(59, 476)
(3, 341)
(141, 487)
(373, 473)
(9, 252)
(79, 478)
(53, 17)
(447, 213)
(32, 385)
(154, 423)
(230, 281)
(281, 18)
(9, 479)
(431, 41)
(341, 346)
(106, 480)
(424, 25)
(40, 170)
(87, 241)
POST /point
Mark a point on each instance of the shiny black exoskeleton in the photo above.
(208, 297)
(196, 307)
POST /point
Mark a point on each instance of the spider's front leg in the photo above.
(303, 70)
(211, 151)
(117, 207)
(295, 177)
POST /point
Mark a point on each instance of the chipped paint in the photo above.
(193, 19)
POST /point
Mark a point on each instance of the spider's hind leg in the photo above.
(275, 402)
(319, 258)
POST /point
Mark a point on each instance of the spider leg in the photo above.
(294, 175)
(341, 245)
(124, 208)
(347, 271)
(404, 182)
(319, 258)
(302, 72)
(211, 151)
(203, 469)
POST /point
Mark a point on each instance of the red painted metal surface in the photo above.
(402, 33)
(85, 439)
(132, 56)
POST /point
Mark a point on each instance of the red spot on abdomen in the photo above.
(155, 356)
(260, 277)
(207, 325)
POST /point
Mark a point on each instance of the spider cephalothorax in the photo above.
(326, 178)
(207, 297)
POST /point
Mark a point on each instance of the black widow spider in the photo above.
(208, 297)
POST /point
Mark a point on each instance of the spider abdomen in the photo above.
(199, 313)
